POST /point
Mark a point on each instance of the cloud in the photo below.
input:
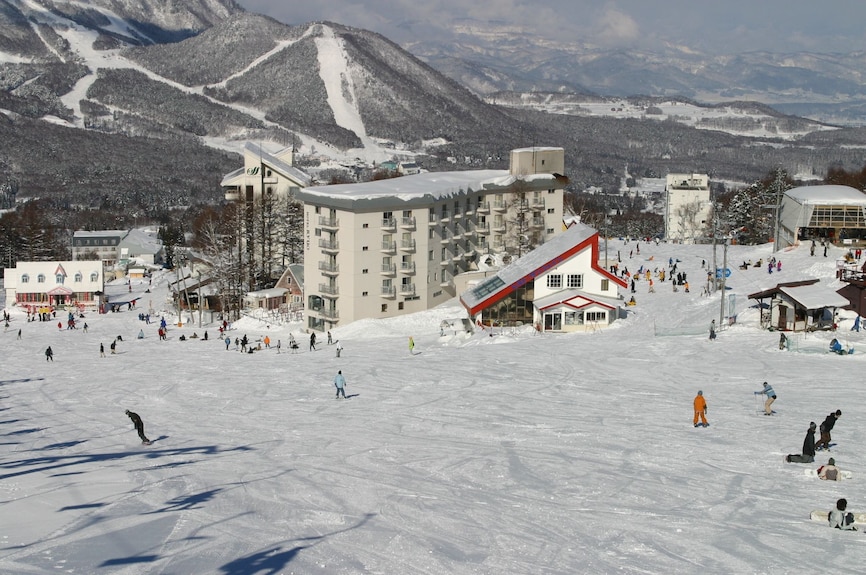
(616, 28)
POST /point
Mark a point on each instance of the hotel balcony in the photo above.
(537, 222)
(329, 291)
(407, 245)
(232, 194)
(500, 206)
(445, 217)
(499, 228)
(388, 269)
(457, 214)
(329, 313)
(407, 223)
(328, 222)
(482, 228)
(329, 245)
(407, 289)
(446, 283)
(483, 208)
(407, 268)
(329, 269)
(389, 224)
(537, 203)
(389, 247)
(389, 292)
(432, 220)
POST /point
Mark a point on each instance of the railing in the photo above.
(389, 223)
(407, 222)
(329, 268)
(328, 222)
(388, 291)
(329, 313)
(389, 269)
(389, 246)
(407, 245)
(329, 244)
(407, 289)
(329, 289)
(407, 267)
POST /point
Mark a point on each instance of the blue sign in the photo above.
(719, 273)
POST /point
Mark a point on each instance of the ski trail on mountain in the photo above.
(334, 71)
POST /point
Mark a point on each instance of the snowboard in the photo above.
(825, 448)
(824, 515)
(814, 473)
(702, 425)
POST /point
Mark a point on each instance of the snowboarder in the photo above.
(313, 341)
(783, 341)
(340, 383)
(808, 455)
(330, 341)
(139, 426)
(228, 341)
(839, 519)
(101, 350)
(339, 348)
(771, 397)
(113, 347)
(244, 342)
(700, 409)
(830, 472)
(826, 428)
(411, 346)
(713, 330)
(279, 345)
(856, 326)
(49, 354)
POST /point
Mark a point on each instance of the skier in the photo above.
(339, 348)
(411, 346)
(330, 341)
(783, 341)
(841, 520)
(244, 342)
(771, 397)
(340, 383)
(808, 455)
(228, 341)
(826, 428)
(101, 350)
(830, 472)
(49, 354)
(113, 346)
(139, 426)
(856, 326)
(267, 342)
(313, 341)
(713, 330)
(701, 409)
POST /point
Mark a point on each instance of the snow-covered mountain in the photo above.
(490, 57)
(104, 72)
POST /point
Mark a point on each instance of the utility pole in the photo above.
(723, 273)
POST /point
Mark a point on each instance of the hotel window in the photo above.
(40, 278)
(575, 280)
(78, 277)
(554, 281)
(25, 279)
(605, 285)
(94, 277)
(58, 278)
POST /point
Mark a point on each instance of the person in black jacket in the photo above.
(808, 455)
(139, 425)
(826, 427)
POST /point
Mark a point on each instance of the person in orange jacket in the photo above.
(701, 409)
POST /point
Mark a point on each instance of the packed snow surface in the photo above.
(504, 452)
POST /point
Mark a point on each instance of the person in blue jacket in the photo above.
(340, 383)
(771, 397)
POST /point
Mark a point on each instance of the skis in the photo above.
(702, 425)
(814, 473)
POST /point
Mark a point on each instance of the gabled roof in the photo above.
(559, 249)
(576, 299)
(273, 162)
(827, 195)
(808, 294)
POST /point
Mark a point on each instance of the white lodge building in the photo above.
(391, 247)
(687, 207)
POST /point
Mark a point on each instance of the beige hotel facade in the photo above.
(391, 247)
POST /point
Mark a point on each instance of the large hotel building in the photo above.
(390, 247)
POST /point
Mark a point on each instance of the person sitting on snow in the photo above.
(835, 346)
(841, 520)
(830, 472)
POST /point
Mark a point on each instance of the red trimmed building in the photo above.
(559, 286)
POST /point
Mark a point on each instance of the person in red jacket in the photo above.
(701, 409)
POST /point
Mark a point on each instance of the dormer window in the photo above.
(40, 278)
(59, 278)
(25, 279)
(78, 277)
(94, 277)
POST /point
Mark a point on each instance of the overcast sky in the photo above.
(717, 27)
